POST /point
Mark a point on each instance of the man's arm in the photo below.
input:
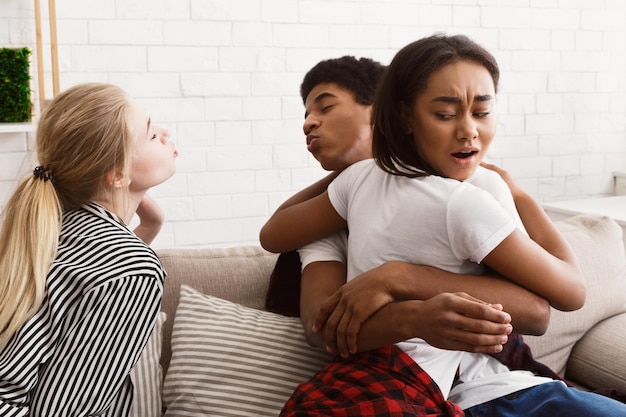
(397, 301)
(319, 281)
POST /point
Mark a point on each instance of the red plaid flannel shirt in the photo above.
(384, 382)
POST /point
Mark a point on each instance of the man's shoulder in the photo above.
(489, 181)
(362, 165)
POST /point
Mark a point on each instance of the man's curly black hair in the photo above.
(360, 76)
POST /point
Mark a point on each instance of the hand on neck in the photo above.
(121, 202)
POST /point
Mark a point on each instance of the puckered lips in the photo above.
(311, 142)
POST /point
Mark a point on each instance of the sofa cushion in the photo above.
(231, 360)
(597, 242)
(239, 274)
(598, 358)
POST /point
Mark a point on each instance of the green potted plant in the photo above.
(15, 92)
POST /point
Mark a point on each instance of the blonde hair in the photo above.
(82, 136)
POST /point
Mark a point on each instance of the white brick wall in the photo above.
(224, 75)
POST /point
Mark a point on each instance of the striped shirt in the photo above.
(73, 357)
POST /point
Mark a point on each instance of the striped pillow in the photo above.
(231, 360)
(147, 375)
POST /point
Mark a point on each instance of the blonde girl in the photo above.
(79, 291)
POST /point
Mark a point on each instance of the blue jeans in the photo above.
(552, 399)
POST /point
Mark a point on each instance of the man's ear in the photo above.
(117, 179)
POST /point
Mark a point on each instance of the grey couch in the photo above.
(586, 346)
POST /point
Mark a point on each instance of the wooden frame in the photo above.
(53, 49)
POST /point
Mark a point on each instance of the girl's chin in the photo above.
(462, 174)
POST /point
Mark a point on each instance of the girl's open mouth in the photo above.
(464, 155)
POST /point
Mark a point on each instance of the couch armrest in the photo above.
(597, 360)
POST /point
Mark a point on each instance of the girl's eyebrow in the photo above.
(148, 126)
(453, 100)
(484, 97)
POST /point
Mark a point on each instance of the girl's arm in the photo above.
(292, 227)
(309, 192)
(150, 219)
(547, 270)
(543, 261)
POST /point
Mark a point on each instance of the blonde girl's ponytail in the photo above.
(28, 245)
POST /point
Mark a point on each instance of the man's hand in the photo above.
(508, 178)
(458, 321)
(344, 312)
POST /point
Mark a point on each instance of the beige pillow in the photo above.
(231, 360)
(147, 375)
(597, 242)
(597, 358)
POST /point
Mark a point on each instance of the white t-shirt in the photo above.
(335, 247)
(437, 210)
(388, 215)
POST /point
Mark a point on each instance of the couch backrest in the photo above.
(597, 242)
(239, 274)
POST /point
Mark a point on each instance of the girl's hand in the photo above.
(151, 219)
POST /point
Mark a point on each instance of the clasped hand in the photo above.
(454, 321)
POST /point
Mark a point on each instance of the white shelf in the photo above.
(17, 127)
(612, 206)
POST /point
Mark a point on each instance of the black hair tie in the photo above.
(42, 173)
